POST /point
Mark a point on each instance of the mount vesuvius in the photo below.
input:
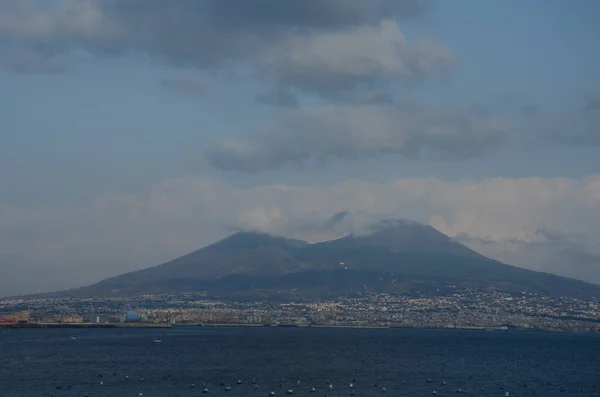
(395, 257)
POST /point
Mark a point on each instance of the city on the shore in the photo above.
(488, 309)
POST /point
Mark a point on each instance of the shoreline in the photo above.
(193, 325)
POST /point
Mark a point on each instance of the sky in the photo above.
(134, 131)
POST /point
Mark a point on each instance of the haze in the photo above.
(133, 131)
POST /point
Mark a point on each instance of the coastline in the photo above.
(242, 325)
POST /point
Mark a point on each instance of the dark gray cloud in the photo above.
(307, 13)
(35, 65)
(325, 47)
(592, 104)
(278, 97)
(575, 127)
(307, 135)
(20, 59)
(337, 218)
(184, 84)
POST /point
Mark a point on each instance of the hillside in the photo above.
(394, 256)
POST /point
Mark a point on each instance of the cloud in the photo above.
(579, 126)
(41, 20)
(311, 13)
(544, 224)
(353, 132)
(279, 97)
(571, 254)
(28, 62)
(592, 104)
(328, 48)
(184, 83)
(334, 64)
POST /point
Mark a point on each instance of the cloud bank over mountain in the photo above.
(541, 224)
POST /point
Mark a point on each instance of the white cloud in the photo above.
(334, 63)
(544, 224)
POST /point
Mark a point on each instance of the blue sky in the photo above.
(98, 103)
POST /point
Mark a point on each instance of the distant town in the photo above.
(488, 309)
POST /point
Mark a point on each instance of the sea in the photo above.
(267, 361)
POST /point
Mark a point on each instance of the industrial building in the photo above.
(15, 317)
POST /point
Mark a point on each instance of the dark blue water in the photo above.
(36, 362)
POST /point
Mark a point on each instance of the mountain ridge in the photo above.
(393, 256)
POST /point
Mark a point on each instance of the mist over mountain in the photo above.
(393, 256)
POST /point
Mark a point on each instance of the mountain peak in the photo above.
(247, 240)
(411, 236)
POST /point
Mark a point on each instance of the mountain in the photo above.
(393, 256)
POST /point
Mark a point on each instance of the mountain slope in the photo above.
(396, 256)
